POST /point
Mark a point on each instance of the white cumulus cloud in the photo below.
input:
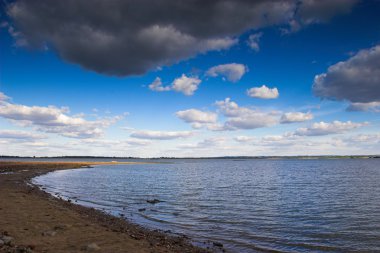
(245, 118)
(55, 120)
(197, 118)
(156, 85)
(324, 128)
(263, 92)
(183, 84)
(232, 71)
(186, 85)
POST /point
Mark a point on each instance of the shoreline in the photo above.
(40, 222)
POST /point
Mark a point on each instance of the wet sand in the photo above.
(38, 222)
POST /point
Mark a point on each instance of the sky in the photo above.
(189, 78)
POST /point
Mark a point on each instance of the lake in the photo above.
(253, 205)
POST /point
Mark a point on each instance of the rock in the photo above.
(24, 250)
(217, 244)
(92, 247)
(49, 233)
(7, 240)
(1, 243)
(153, 201)
(142, 209)
(135, 237)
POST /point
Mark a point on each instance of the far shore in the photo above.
(34, 221)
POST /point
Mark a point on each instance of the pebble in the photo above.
(49, 233)
(92, 247)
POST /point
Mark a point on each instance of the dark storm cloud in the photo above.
(312, 11)
(124, 37)
(356, 80)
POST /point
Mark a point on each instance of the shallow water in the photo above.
(248, 205)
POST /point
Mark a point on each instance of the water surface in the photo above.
(248, 205)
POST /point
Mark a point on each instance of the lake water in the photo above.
(248, 205)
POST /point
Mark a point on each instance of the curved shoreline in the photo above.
(40, 222)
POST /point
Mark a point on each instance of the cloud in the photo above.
(186, 85)
(251, 121)
(276, 141)
(160, 135)
(231, 109)
(197, 118)
(232, 71)
(131, 37)
(3, 97)
(245, 118)
(317, 11)
(291, 117)
(157, 85)
(356, 80)
(371, 106)
(273, 138)
(363, 138)
(18, 37)
(137, 142)
(263, 92)
(55, 120)
(206, 143)
(358, 141)
(183, 84)
(323, 128)
(244, 139)
(253, 41)
(216, 127)
(20, 135)
(106, 143)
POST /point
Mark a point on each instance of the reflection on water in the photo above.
(249, 206)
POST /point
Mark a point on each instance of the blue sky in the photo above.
(61, 96)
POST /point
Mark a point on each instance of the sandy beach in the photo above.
(34, 221)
